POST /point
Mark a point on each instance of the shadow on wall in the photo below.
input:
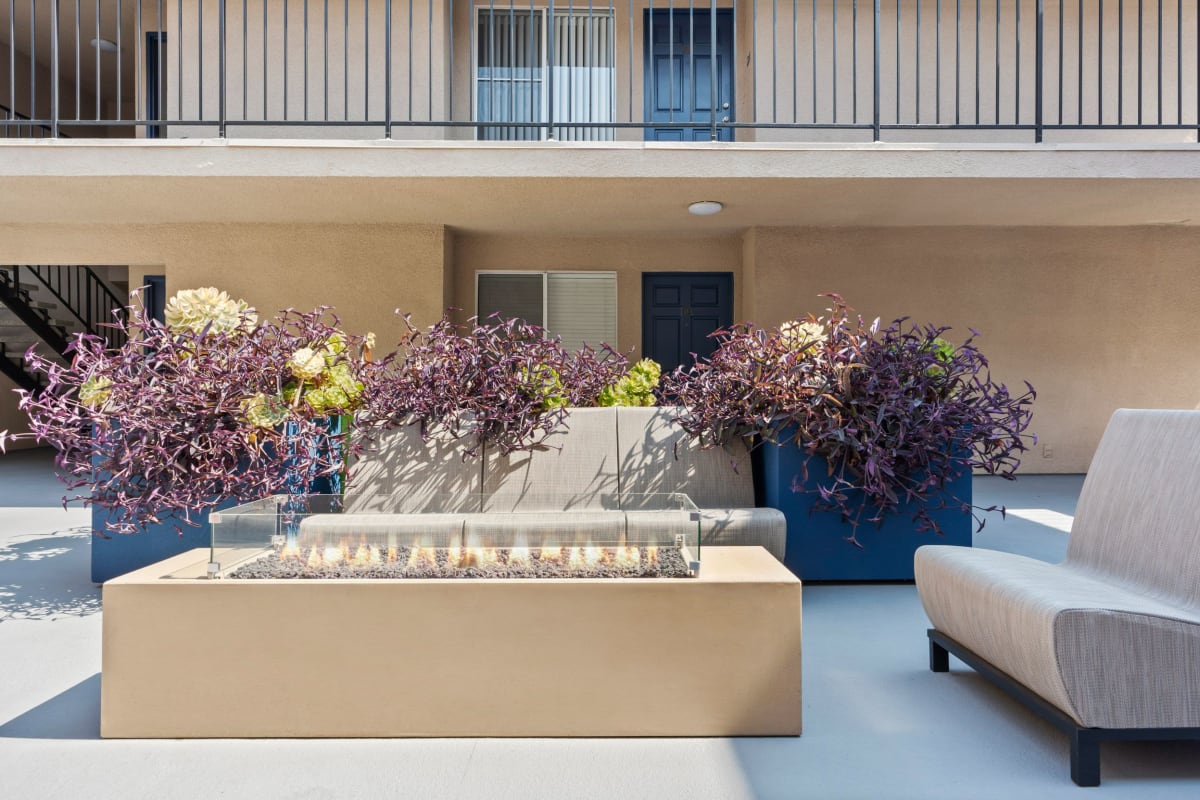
(73, 714)
(47, 576)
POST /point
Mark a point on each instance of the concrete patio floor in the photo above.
(877, 723)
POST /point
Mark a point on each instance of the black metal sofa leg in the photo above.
(1085, 757)
(939, 657)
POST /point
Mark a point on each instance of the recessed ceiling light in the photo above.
(705, 208)
(105, 45)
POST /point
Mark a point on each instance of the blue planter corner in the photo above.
(817, 546)
(124, 552)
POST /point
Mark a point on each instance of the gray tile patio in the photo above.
(878, 724)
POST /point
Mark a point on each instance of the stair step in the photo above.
(19, 331)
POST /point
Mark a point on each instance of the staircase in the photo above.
(46, 306)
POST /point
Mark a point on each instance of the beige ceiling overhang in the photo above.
(610, 188)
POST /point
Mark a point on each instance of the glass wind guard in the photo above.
(530, 535)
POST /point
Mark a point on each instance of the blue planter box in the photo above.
(125, 552)
(817, 549)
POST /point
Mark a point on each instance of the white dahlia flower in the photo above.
(801, 334)
(196, 309)
(307, 364)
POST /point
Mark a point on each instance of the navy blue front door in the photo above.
(680, 310)
(679, 63)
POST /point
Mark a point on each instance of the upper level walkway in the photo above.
(973, 71)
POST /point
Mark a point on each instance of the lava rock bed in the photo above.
(669, 564)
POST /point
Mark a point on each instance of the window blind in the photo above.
(511, 52)
(582, 307)
(511, 295)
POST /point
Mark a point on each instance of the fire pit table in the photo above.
(468, 618)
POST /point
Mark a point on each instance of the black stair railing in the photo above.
(30, 292)
(80, 292)
(10, 366)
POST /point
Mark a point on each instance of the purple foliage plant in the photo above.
(499, 383)
(897, 412)
(181, 418)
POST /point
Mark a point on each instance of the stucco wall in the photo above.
(364, 271)
(1095, 318)
(628, 257)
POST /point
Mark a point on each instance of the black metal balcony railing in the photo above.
(599, 69)
(19, 126)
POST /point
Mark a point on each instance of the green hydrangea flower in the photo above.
(95, 391)
(943, 351)
(544, 383)
(334, 348)
(264, 410)
(635, 388)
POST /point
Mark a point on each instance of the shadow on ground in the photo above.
(73, 714)
(28, 478)
(47, 576)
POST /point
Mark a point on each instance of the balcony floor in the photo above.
(877, 723)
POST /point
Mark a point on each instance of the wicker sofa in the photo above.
(598, 463)
(1106, 645)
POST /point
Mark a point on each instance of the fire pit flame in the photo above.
(344, 559)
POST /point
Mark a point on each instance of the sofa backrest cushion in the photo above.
(575, 468)
(404, 474)
(657, 456)
(1138, 515)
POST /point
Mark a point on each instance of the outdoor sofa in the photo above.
(1105, 645)
(590, 477)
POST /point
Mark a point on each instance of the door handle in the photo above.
(725, 105)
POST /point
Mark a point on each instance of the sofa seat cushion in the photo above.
(1104, 653)
(656, 455)
(402, 472)
(718, 526)
(391, 530)
(574, 467)
(532, 528)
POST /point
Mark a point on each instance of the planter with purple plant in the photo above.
(496, 383)
(210, 409)
(871, 434)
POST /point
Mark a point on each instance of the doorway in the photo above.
(156, 84)
(679, 312)
(679, 74)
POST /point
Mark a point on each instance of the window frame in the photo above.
(545, 275)
(543, 129)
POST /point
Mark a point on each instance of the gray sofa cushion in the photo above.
(1112, 635)
(657, 456)
(533, 528)
(383, 530)
(402, 473)
(1138, 516)
(575, 468)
